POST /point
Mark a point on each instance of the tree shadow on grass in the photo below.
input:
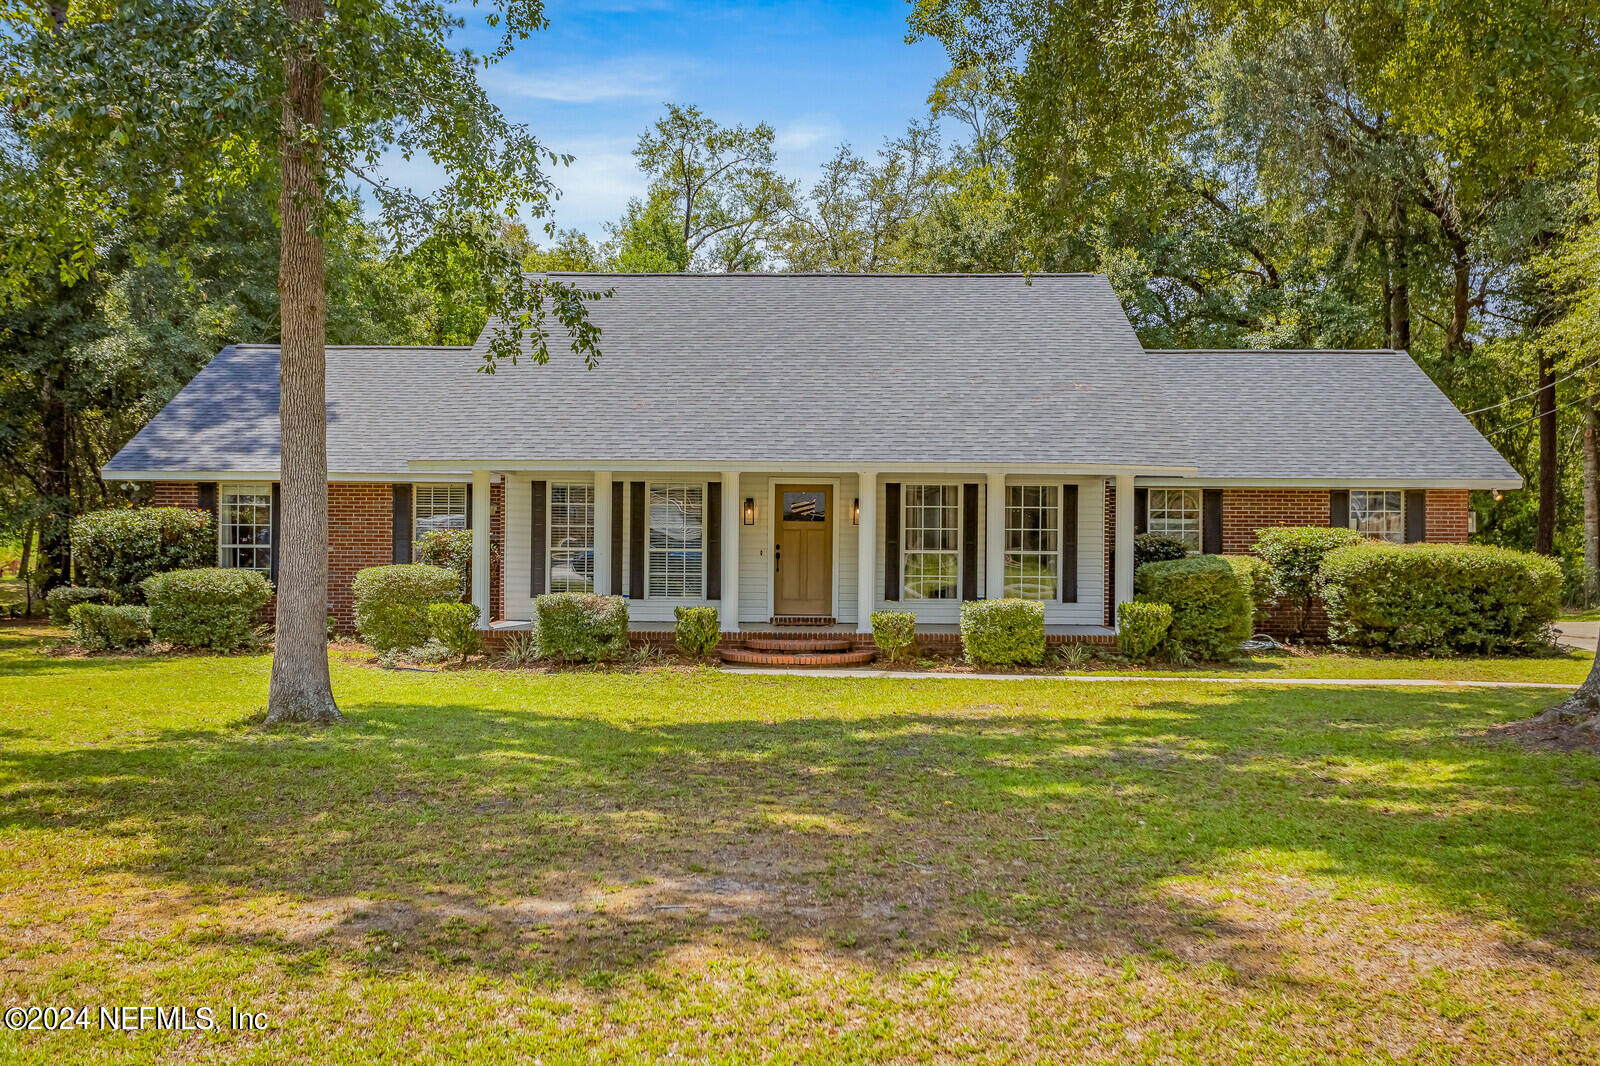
(507, 840)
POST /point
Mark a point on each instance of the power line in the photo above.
(1535, 418)
(1535, 392)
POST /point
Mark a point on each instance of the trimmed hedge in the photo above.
(1141, 627)
(119, 548)
(102, 627)
(1210, 607)
(1157, 548)
(894, 632)
(455, 625)
(392, 603)
(451, 549)
(1440, 598)
(1003, 632)
(698, 631)
(63, 598)
(581, 627)
(1295, 554)
(209, 608)
(1256, 573)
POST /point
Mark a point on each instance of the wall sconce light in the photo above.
(749, 510)
(855, 511)
(1497, 496)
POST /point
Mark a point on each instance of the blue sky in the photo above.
(820, 73)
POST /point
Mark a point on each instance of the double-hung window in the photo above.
(1378, 513)
(1175, 513)
(438, 507)
(676, 564)
(1033, 541)
(244, 527)
(571, 537)
(930, 557)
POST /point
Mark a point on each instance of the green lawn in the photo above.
(492, 867)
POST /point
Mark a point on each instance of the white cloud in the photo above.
(596, 187)
(626, 79)
(806, 134)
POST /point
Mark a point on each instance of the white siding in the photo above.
(514, 564)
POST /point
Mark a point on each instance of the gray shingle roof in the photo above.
(835, 368)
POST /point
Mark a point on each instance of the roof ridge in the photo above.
(779, 274)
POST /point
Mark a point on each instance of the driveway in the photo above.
(1580, 635)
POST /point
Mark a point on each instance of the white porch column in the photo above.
(867, 551)
(994, 538)
(480, 545)
(602, 533)
(1122, 543)
(732, 503)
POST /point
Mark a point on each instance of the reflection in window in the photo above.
(677, 531)
(932, 537)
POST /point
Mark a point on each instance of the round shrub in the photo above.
(1256, 573)
(698, 631)
(455, 625)
(894, 632)
(1295, 554)
(1210, 609)
(208, 608)
(1440, 598)
(102, 627)
(1157, 548)
(580, 627)
(119, 548)
(1003, 632)
(63, 598)
(1141, 627)
(451, 549)
(392, 603)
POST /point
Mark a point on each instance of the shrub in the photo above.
(62, 598)
(1003, 632)
(1440, 598)
(101, 627)
(1141, 626)
(1210, 609)
(697, 632)
(1256, 573)
(450, 549)
(1295, 554)
(519, 650)
(207, 608)
(894, 632)
(1157, 548)
(392, 603)
(455, 625)
(580, 627)
(117, 549)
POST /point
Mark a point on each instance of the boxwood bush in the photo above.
(1004, 632)
(1256, 573)
(119, 548)
(698, 632)
(1157, 548)
(208, 608)
(102, 627)
(451, 549)
(1440, 598)
(1141, 627)
(1295, 554)
(1210, 607)
(392, 603)
(580, 627)
(455, 626)
(894, 632)
(63, 598)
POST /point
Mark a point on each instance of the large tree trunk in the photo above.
(23, 570)
(301, 688)
(1400, 295)
(1591, 502)
(1545, 540)
(55, 485)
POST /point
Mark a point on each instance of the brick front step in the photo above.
(752, 657)
(799, 644)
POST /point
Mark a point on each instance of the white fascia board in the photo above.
(455, 474)
(1330, 483)
(881, 467)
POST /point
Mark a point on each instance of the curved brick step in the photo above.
(752, 657)
(799, 644)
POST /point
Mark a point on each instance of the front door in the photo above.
(802, 551)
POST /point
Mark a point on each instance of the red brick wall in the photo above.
(175, 494)
(1246, 510)
(1447, 516)
(360, 534)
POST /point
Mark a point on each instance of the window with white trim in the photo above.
(244, 527)
(1174, 513)
(1379, 513)
(438, 507)
(676, 552)
(571, 537)
(930, 560)
(1033, 541)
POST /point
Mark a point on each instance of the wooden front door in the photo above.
(802, 551)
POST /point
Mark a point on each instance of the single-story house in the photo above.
(806, 449)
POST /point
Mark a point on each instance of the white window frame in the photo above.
(1049, 527)
(906, 551)
(698, 592)
(225, 543)
(432, 488)
(1397, 535)
(559, 545)
(1175, 521)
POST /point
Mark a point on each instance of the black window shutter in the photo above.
(276, 525)
(1141, 511)
(969, 545)
(891, 540)
(208, 498)
(469, 506)
(1416, 516)
(1069, 544)
(1339, 509)
(1211, 521)
(402, 523)
(537, 535)
(618, 490)
(713, 540)
(636, 522)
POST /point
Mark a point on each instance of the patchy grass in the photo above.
(492, 867)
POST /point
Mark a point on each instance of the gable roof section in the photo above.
(746, 369)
